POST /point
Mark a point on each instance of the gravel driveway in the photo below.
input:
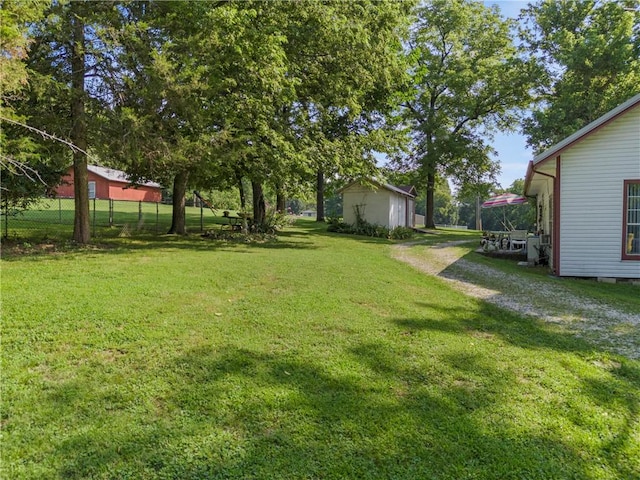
(602, 324)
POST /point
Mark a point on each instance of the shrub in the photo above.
(338, 226)
(273, 222)
(362, 227)
(401, 233)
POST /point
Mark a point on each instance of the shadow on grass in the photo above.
(20, 251)
(376, 409)
(296, 238)
(509, 327)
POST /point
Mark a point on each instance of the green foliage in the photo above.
(589, 53)
(401, 233)
(467, 80)
(274, 221)
(15, 19)
(335, 224)
(362, 227)
(24, 184)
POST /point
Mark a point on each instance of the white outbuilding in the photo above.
(587, 190)
(378, 203)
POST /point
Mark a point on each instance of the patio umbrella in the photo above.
(503, 200)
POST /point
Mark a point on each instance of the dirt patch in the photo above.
(602, 324)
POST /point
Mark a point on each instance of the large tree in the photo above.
(347, 57)
(468, 81)
(589, 51)
(70, 63)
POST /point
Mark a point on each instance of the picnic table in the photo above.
(235, 222)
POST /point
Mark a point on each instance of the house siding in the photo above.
(592, 177)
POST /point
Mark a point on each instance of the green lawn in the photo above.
(51, 218)
(316, 356)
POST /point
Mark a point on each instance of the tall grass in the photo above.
(316, 356)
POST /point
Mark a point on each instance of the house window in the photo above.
(631, 227)
(92, 190)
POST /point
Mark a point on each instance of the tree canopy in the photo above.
(279, 96)
(589, 54)
(467, 81)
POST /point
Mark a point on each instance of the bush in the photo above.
(273, 222)
(338, 226)
(362, 227)
(401, 233)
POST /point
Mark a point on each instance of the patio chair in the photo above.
(518, 240)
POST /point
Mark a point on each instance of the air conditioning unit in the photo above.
(545, 239)
(533, 249)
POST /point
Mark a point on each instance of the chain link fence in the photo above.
(55, 217)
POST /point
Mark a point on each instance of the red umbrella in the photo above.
(504, 199)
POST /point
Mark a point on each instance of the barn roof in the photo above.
(117, 176)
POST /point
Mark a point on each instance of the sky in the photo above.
(513, 153)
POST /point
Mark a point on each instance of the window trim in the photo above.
(625, 216)
(89, 189)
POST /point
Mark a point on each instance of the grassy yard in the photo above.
(51, 218)
(315, 356)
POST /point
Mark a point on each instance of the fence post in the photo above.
(94, 216)
(110, 212)
(201, 219)
(59, 210)
(139, 211)
(157, 217)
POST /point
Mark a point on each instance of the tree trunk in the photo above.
(320, 196)
(429, 221)
(81, 224)
(478, 214)
(243, 197)
(259, 207)
(281, 201)
(178, 224)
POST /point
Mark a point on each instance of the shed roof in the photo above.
(405, 190)
(117, 176)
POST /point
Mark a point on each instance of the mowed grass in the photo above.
(51, 219)
(316, 356)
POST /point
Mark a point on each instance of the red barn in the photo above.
(107, 183)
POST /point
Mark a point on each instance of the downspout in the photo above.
(556, 219)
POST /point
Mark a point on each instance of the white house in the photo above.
(378, 203)
(587, 189)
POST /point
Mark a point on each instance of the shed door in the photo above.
(92, 190)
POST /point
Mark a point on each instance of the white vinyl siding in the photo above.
(379, 207)
(591, 199)
(374, 205)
